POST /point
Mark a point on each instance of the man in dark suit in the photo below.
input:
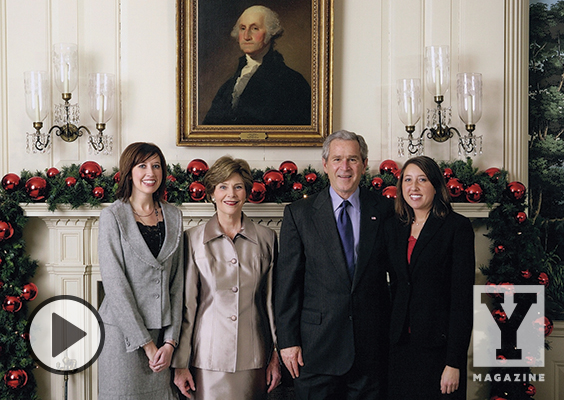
(332, 318)
(263, 90)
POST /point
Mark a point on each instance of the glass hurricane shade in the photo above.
(101, 88)
(65, 64)
(36, 85)
(409, 101)
(437, 69)
(469, 87)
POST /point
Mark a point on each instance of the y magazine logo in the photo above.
(508, 325)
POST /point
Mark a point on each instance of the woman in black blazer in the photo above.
(432, 267)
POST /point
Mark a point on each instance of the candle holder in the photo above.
(36, 84)
(437, 77)
(67, 115)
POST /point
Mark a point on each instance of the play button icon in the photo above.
(66, 334)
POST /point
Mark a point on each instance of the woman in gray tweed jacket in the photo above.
(140, 250)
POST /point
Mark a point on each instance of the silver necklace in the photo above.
(155, 210)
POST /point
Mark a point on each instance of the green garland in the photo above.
(16, 270)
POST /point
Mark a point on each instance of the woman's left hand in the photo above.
(161, 359)
(449, 380)
(273, 372)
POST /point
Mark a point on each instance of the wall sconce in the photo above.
(437, 78)
(67, 116)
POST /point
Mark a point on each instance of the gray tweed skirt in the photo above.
(127, 376)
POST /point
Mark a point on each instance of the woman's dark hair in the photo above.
(134, 154)
(222, 169)
(441, 203)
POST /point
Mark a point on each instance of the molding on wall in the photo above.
(3, 88)
(516, 124)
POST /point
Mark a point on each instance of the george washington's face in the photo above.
(252, 33)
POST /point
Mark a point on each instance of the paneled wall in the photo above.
(376, 42)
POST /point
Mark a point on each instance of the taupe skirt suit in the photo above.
(227, 334)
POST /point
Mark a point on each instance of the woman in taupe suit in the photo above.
(141, 253)
(227, 344)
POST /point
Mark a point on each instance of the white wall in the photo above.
(376, 42)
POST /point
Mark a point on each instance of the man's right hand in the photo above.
(184, 381)
(293, 360)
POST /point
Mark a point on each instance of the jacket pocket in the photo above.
(311, 317)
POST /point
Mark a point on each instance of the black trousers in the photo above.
(354, 385)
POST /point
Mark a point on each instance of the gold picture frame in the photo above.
(207, 59)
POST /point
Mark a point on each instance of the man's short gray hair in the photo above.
(271, 21)
(345, 135)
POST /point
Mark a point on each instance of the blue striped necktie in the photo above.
(344, 225)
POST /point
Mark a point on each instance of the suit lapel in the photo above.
(403, 233)
(370, 220)
(133, 236)
(326, 226)
(427, 234)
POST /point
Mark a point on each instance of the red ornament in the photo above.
(499, 249)
(273, 179)
(29, 291)
(499, 316)
(288, 168)
(297, 186)
(1, 283)
(117, 176)
(15, 378)
(377, 183)
(25, 336)
(11, 182)
(311, 177)
(543, 279)
(171, 178)
(521, 217)
(98, 192)
(526, 274)
(530, 389)
(447, 173)
(544, 324)
(258, 193)
(197, 167)
(455, 187)
(197, 191)
(474, 193)
(390, 192)
(491, 172)
(6, 230)
(52, 172)
(502, 360)
(516, 191)
(36, 188)
(70, 181)
(12, 304)
(90, 170)
(389, 166)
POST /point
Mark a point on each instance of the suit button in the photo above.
(158, 281)
(157, 296)
(350, 317)
(233, 261)
(233, 318)
(234, 289)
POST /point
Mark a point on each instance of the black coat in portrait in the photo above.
(275, 95)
